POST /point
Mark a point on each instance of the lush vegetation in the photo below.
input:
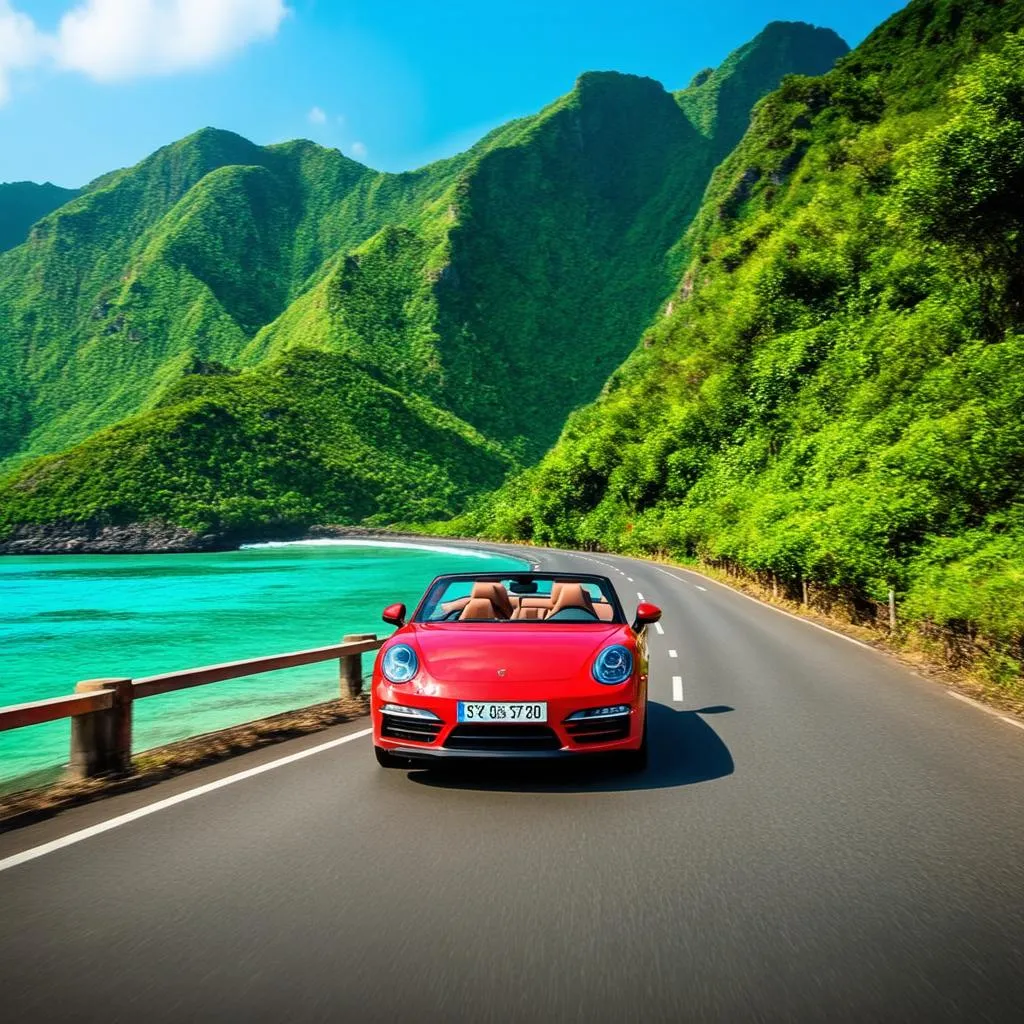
(308, 437)
(498, 289)
(22, 203)
(835, 391)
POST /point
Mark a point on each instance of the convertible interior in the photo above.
(490, 601)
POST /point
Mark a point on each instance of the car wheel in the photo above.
(388, 760)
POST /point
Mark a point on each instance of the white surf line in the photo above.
(988, 711)
(677, 689)
(160, 805)
(673, 654)
(659, 629)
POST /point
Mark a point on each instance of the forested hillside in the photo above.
(22, 203)
(835, 391)
(494, 291)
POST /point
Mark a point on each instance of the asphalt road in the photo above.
(821, 836)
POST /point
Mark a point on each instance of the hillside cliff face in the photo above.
(488, 295)
(835, 392)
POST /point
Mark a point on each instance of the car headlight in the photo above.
(400, 663)
(613, 665)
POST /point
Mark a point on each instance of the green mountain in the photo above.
(22, 203)
(835, 390)
(493, 292)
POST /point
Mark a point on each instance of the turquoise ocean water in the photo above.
(65, 618)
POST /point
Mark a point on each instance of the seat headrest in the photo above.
(496, 594)
(572, 595)
(478, 608)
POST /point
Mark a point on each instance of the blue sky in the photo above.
(395, 84)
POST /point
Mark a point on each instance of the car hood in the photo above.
(529, 654)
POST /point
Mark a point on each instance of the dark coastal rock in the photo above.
(91, 538)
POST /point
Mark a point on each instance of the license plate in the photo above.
(502, 711)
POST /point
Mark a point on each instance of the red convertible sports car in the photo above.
(512, 665)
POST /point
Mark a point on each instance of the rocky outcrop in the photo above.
(93, 539)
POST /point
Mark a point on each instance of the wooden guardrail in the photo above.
(101, 709)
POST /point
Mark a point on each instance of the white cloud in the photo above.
(110, 40)
(316, 115)
(358, 150)
(21, 45)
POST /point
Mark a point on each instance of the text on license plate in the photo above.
(502, 711)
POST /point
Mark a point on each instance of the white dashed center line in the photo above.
(699, 587)
(630, 578)
(677, 689)
(673, 654)
(639, 596)
(659, 628)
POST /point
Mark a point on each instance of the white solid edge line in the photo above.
(987, 710)
(677, 689)
(673, 654)
(782, 611)
(671, 575)
(160, 805)
(659, 628)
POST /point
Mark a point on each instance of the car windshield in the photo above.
(526, 598)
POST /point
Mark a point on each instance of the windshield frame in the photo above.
(429, 600)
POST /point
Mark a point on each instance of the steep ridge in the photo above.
(182, 258)
(502, 286)
(835, 392)
(22, 203)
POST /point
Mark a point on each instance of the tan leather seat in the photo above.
(530, 611)
(478, 608)
(496, 594)
(604, 611)
(572, 595)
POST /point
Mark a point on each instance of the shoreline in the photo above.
(158, 538)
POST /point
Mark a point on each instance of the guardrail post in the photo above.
(351, 666)
(101, 742)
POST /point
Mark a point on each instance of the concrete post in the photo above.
(351, 666)
(892, 611)
(101, 742)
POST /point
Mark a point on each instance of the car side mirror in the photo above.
(646, 613)
(394, 614)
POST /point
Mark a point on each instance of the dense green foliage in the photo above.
(502, 286)
(22, 203)
(835, 392)
(304, 438)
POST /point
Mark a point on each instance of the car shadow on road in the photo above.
(684, 750)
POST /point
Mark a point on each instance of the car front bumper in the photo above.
(443, 737)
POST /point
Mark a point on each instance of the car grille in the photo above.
(419, 730)
(521, 738)
(598, 730)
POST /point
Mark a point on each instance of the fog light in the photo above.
(615, 711)
(401, 711)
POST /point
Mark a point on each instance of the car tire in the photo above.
(388, 760)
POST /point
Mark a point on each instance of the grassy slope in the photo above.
(22, 203)
(219, 252)
(837, 391)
